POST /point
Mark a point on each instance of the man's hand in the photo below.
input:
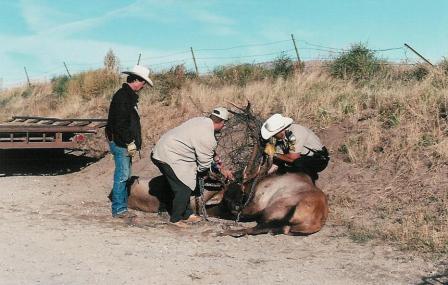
(132, 149)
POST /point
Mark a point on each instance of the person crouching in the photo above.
(295, 148)
(182, 153)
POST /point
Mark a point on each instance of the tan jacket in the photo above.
(304, 138)
(188, 148)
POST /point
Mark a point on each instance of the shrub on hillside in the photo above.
(27, 92)
(169, 82)
(239, 74)
(419, 72)
(93, 83)
(59, 85)
(283, 66)
(359, 63)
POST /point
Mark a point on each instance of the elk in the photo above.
(280, 203)
(289, 203)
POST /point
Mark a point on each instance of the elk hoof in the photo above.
(238, 234)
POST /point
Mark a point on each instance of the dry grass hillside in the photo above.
(388, 137)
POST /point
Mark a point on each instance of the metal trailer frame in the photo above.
(26, 132)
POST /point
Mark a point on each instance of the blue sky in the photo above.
(42, 34)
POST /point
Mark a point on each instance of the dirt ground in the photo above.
(57, 229)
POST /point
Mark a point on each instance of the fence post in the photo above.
(27, 77)
(194, 60)
(295, 47)
(421, 56)
(68, 72)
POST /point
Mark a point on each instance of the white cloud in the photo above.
(39, 17)
(211, 18)
(46, 21)
(52, 41)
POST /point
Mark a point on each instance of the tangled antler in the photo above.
(240, 144)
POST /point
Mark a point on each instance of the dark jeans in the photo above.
(310, 165)
(180, 208)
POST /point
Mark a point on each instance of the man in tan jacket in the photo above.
(184, 151)
(295, 148)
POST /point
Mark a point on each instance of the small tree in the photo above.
(60, 85)
(283, 66)
(111, 62)
(358, 63)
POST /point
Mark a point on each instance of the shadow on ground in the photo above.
(435, 279)
(42, 162)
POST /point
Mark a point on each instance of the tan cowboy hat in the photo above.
(141, 72)
(276, 123)
(221, 112)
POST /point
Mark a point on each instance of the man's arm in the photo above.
(288, 158)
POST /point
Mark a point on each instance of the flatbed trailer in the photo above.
(25, 132)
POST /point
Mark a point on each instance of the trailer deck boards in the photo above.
(25, 132)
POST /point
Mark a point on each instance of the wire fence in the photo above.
(208, 59)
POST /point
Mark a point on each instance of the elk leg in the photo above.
(257, 230)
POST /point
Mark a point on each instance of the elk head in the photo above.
(256, 164)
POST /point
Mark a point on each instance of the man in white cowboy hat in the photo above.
(295, 148)
(123, 131)
(184, 152)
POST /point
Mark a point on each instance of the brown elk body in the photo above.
(140, 196)
(288, 204)
(148, 195)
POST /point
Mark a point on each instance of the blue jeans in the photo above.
(121, 175)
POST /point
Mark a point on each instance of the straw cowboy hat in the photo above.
(141, 72)
(221, 113)
(276, 123)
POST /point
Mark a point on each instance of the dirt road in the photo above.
(58, 230)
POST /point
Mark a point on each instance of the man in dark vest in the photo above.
(124, 134)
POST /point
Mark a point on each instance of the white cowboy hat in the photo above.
(221, 112)
(274, 124)
(141, 72)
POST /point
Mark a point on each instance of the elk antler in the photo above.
(247, 178)
(245, 110)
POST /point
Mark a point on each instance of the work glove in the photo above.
(132, 149)
(269, 149)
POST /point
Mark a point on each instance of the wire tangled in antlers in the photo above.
(238, 139)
